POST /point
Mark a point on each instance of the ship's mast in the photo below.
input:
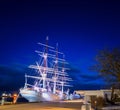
(44, 74)
(55, 70)
(25, 81)
(62, 83)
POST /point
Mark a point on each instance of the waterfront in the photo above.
(43, 106)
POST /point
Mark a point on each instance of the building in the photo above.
(88, 94)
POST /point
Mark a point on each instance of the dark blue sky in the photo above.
(81, 27)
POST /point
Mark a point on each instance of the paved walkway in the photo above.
(111, 108)
(42, 106)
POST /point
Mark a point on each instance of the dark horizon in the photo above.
(80, 27)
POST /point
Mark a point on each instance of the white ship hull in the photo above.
(34, 96)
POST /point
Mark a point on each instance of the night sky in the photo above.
(81, 28)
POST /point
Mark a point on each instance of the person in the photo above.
(67, 94)
(15, 96)
(71, 96)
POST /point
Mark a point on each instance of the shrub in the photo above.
(97, 102)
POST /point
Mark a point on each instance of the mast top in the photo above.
(47, 38)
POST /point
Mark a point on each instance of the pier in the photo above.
(43, 106)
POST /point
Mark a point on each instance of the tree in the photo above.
(108, 65)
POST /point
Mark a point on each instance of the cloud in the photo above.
(92, 86)
(74, 73)
(85, 80)
(77, 74)
(11, 78)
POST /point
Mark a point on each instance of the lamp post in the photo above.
(95, 105)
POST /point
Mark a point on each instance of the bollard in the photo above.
(3, 100)
(83, 107)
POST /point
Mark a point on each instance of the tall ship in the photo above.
(50, 81)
